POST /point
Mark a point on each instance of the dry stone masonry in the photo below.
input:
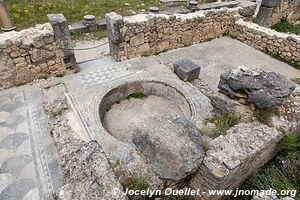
(148, 34)
(287, 46)
(231, 158)
(36, 53)
(28, 55)
(272, 11)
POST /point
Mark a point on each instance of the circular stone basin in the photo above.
(132, 104)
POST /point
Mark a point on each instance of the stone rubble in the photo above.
(232, 158)
(86, 170)
(172, 146)
(264, 89)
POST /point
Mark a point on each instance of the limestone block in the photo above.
(263, 15)
(137, 39)
(186, 70)
(233, 157)
(270, 3)
(155, 141)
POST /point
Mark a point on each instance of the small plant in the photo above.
(136, 95)
(282, 172)
(58, 112)
(285, 26)
(264, 115)
(291, 143)
(138, 183)
(223, 123)
(87, 36)
(296, 80)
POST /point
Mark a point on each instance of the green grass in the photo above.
(136, 95)
(286, 27)
(27, 13)
(282, 172)
(297, 81)
(138, 183)
(223, 123)
(91, 35)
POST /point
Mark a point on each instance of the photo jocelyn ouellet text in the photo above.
(197, 192)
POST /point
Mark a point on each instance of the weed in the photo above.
(291, 143)
(87, 36)
(138, 183)
(286, 27)
(282, 172)
(223, 123)
(264, 115)
(193, 80)
(58, 112)
(136, 95)
(28, 13)
(296, 80)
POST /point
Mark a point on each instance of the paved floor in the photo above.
(28, 169)
(219, 55)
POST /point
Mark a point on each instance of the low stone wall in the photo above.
(287, 46)
(272, 11)
(28, 55)
(232, 158)
(148, 34)
(289, 9)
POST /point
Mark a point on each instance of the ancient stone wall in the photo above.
(289, 9)
(148, 34)
(232, 158)
(272, 11)
(287, 46)
(28, 55)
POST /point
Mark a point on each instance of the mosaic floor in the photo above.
(28, 169)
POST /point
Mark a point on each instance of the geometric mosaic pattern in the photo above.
(104, 74)
(28, 169)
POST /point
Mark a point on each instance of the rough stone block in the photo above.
(114, 23)
(61, 31)
(263, 15)
(232, 158)
(270, 3)
(186, 70)
(137, 39)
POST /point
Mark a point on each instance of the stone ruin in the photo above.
(169, 150)
(272, 11)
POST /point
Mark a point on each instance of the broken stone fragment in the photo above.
(186, 70)
(264, 89)
(171, 145)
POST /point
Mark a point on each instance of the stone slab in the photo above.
(263, 15)
(218, 5)
(186, 70)
(28, 169)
